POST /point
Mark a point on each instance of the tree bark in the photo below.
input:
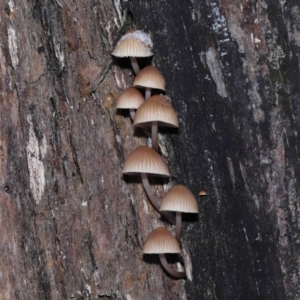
(71, 226)
(232, 70)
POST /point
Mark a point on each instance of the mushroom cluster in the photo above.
(149, 112)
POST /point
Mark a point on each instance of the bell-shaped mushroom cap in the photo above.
(150, 77)
(156, 108)
(161, 240)
(179, 198)
(202, 193)
(130, 98)
(145, 160)
(134, 44)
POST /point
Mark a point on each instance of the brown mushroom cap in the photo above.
(156, 108)
(145, 160)
(130, 98)
(202, 193)
(179, 198)
(134, 44)
(150, 77)
(161, 240)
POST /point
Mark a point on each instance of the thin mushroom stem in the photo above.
(132, 113)
(134, 65)
(154, 129)
(153, 199)
(168, 268)
(178, 226)
(147, 93)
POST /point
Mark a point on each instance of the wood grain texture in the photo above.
(71, 226)
(232, 72)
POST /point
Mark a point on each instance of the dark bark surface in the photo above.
(71, 226)
(232, 69)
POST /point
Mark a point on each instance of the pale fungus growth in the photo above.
(202, 193)
(134, 44)
(151, 112)
(146, 161)
(150, 78)
(130, 99)
(161, 241)
(156, 111)
(180, 200)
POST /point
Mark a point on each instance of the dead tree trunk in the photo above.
(71, 226)
(232, 69)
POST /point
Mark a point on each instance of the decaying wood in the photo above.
(232, 70)
(71, 226)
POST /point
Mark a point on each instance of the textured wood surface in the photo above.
(71, 226)
(232, 70)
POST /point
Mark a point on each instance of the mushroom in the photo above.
(134, 44)
(144, 160)
(157, 110)
(179, 199)
(161, 241)
(150, 78)
(130, 99)
(202, 193)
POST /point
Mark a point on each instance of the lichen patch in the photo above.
(35, 165)
(216, 72)
(13, 46)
